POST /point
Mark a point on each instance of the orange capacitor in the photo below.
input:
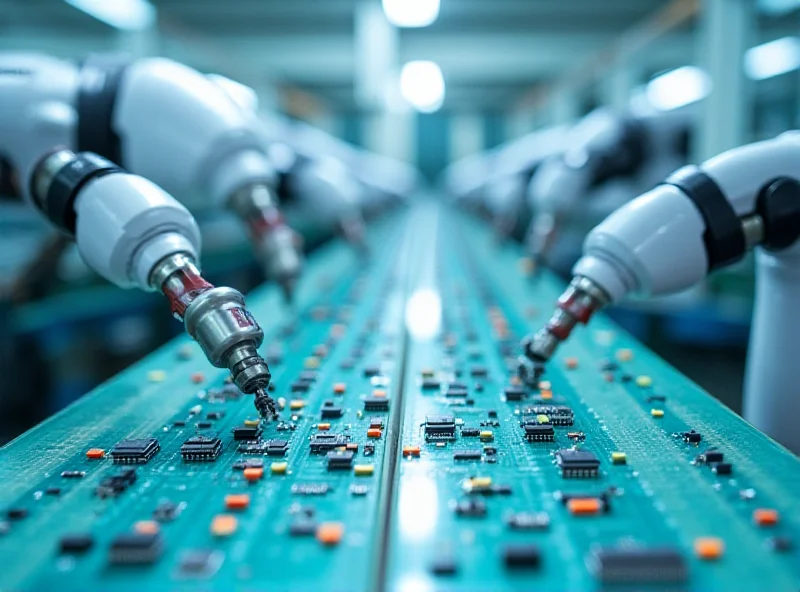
(224, 525)
(410, 450)
(95, 453)
(571, 363)
(584, 506)
(330, 533)
(253, 473)
(339, 388)
(198, 377)
(374, 433)
(765, 517)
(323, 427)
(709, 548)
(353, 446)
(379, 393)
(237, 501)
(147, 527)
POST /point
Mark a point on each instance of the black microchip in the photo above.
(201, 448)
(215, 415)
(559, 415)
(166, 511)
(528, 521)
(53, 491)
(492, 413)
(16, 513)
(780, 544)
(369, 449)
(339, 459)
(430, 384)
(75, 543)
(454, 391)
(490, 450)
(522, 556)
(116, 484)
(179, 424)
(692, 437)
(500, 489)
(467, 455)
(331, 412)
(626, 378)
(347, 364)
(303, 528)
(539, 433)
(134, 452)
(479, 371)
(723, 468)
(300, 386)
(199, 563)
(371, 371)
(247, 433)
(324, 442)
(376, 404)
(203, 425)
(440, 427)
(268, 447)
(72, 474)
(514, 393)
(444, 566)
(656, 399)
(470, 432)
(457, 386)
(638, 566)
(577, 463)
(712, 456)
(135, 548)
(475, 508)
(310, 489)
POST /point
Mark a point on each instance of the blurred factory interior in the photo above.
(452, 93)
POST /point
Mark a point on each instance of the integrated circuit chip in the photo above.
(559, 415)
(201, 449)
(467, 455)
(539, 433)
(376, 404)
(577, 463)
(638, 566)
(324, 442)
(247, 432)
(138, 451)
(339, 459)
(440, 427)
(116, 484)
(136, 548)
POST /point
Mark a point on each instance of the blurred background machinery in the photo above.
(360, 103)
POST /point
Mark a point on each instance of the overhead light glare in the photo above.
(422, 85)
(128, 15)
(411, 13)
(773, 58)
(678, 88)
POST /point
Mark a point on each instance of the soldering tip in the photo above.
(265, 405)
(288, 285)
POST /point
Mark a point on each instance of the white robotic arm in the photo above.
(161, 120)
(127, 229)
(670, 238)
(609, 160)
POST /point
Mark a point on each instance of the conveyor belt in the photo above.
(429, 325)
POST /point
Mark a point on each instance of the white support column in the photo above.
(727, 27)
(564, 107)
(466, 135)
(617, 87)
(376, 51)
(391, 134)
(519, 123)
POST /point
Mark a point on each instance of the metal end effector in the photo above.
(217, 319)
(278, 246)
(577, 304)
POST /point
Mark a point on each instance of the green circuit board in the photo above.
(407, 458)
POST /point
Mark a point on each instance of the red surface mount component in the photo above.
(182, 293)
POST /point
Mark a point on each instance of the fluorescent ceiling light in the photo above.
(129, 15)
(411, 13)
(773, 58)
(677, 88)
(422, 85)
